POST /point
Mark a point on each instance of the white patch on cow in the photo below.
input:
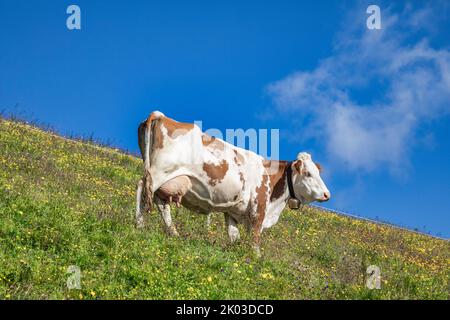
(274, 211)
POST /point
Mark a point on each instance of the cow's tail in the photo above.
(146, 155)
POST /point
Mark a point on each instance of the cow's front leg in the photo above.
(139, 205)
(164, 210)
(233, 231)
(257, 229)
(256, 243)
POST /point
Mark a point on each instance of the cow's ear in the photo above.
(318, 166)
(298, 166)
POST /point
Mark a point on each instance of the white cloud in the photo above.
(403, 80)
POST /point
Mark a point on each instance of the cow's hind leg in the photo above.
(233, 231)
(164, 210)
(139, 205)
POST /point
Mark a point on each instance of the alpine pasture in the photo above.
(68, 203)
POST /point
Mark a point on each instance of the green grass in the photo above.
(64, 202)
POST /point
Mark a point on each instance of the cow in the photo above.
(185, 166)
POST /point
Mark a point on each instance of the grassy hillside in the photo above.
(65, 202)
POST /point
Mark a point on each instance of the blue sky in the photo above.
(371, 105)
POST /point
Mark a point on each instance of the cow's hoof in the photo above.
(172, 231)
(235, 239)
(257, 252)
(234, 235)
(140, 224)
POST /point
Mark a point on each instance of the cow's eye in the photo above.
(308, 174)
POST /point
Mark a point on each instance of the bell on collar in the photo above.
(293, 204)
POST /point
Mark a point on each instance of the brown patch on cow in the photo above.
(153, 124)
(241, 177)
(141, 133)
(277, 178)
(207, 139)
(297, 164)
(212, 142)
(175, 128)
(261, 204)
(238, 158)
(158, 137)
(141, 138)
(216, 173)
(261, 193)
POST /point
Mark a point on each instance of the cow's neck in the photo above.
(279, 195)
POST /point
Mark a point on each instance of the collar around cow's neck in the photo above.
(289, 181)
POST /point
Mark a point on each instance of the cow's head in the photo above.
(308, 185)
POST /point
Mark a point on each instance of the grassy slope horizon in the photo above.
(65, 202)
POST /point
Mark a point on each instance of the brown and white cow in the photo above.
(206, 174)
